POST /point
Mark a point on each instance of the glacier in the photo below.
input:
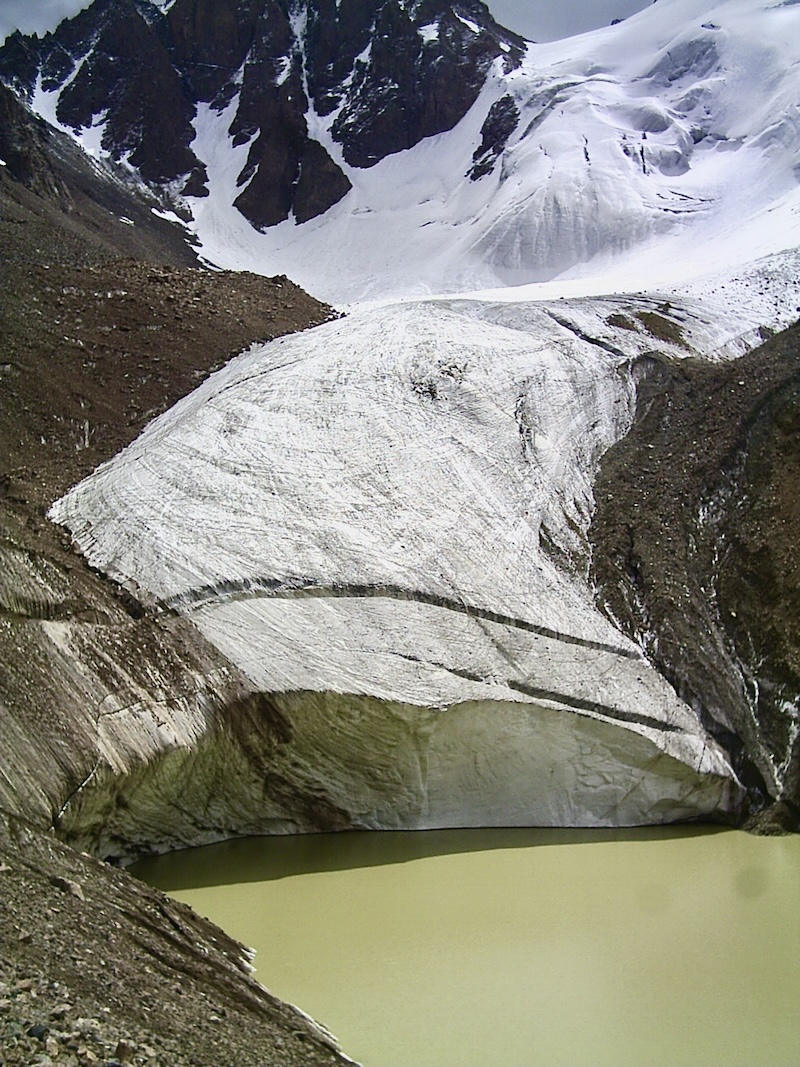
(382, 522)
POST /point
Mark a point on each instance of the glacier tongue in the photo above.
(382, 523)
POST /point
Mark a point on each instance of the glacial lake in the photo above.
(520, 948)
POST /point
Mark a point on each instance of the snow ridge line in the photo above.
(255, 588)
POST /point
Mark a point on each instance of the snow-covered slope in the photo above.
(669, 140)
(378, 76)
(402, 149)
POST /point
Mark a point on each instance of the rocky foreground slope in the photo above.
(95, 967)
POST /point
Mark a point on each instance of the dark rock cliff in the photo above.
(384, 73)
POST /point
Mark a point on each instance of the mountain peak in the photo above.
(423, 125)
(387, 74)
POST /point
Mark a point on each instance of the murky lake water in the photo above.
(519, 948)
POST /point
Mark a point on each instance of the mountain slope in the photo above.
(131, 80)
(694, 548)
(54, 195)
(387, 148)
(658, 143)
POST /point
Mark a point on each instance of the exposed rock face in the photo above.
(695, 550)
(497, 128)
(391, 73)
(24, 145)
(424, 67)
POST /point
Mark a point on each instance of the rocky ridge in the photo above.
(383, 74)
(694, 541)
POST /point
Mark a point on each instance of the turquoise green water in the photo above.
(520, 948)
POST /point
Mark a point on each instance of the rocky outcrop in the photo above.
(497, 128)
(106, 67)
(416, 71)
(24, 143)
(379, 75)
(98, 968)
(695, 551)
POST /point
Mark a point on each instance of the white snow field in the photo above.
(646, 152)
(382, 521)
